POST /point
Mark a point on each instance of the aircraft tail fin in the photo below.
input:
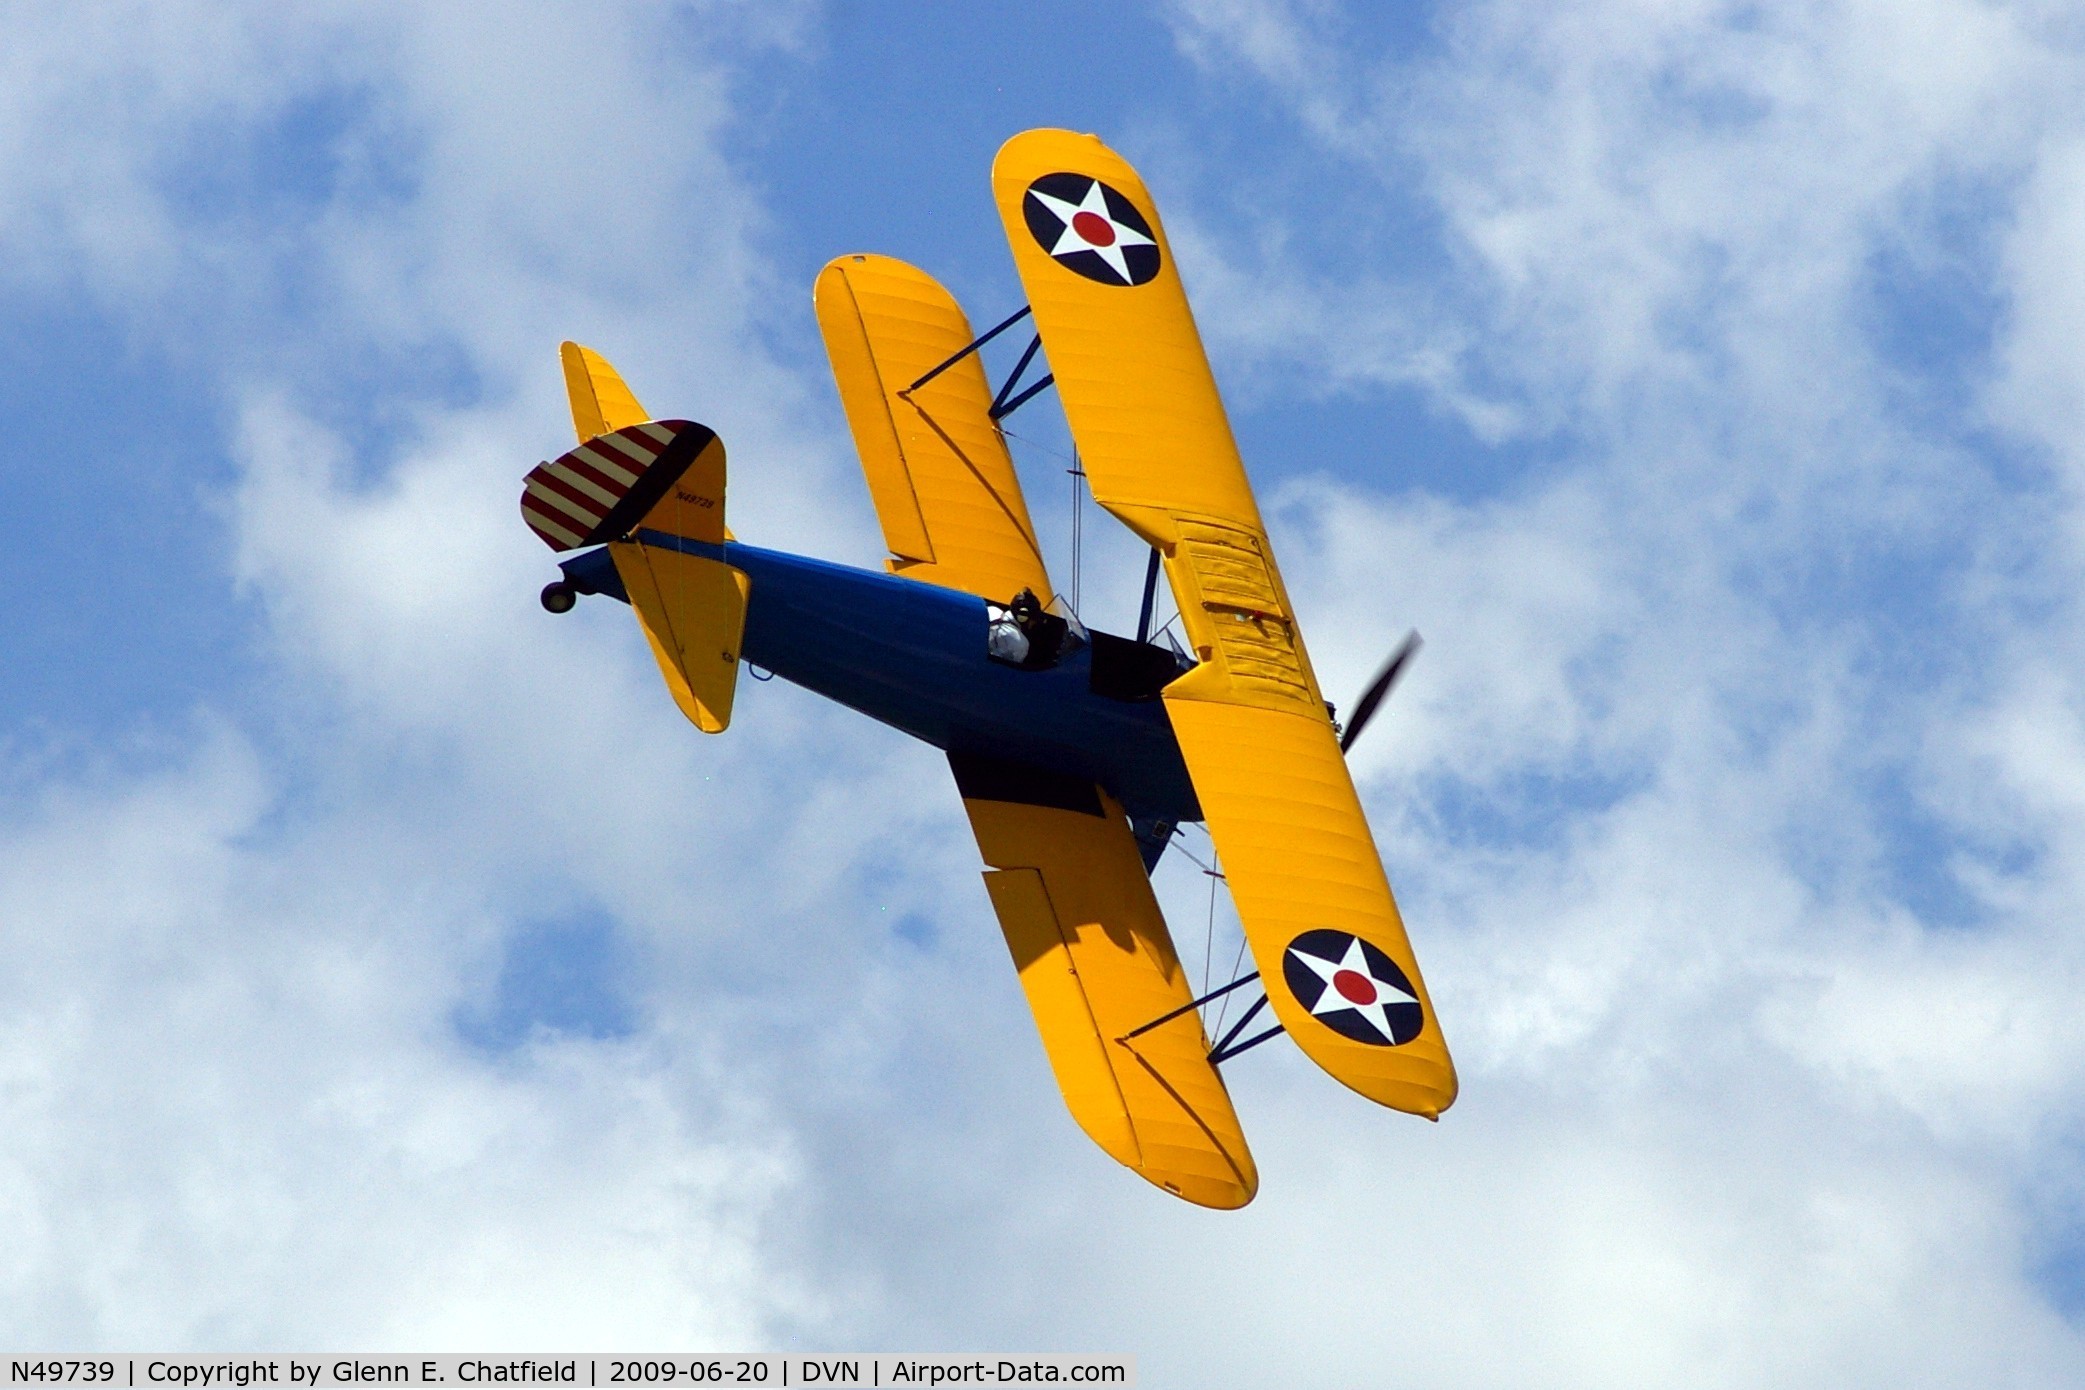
(654, 493)
(647, 488)
(629, 469)
(600, 400)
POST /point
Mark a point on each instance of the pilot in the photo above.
(1023, 633)
(1006, 637)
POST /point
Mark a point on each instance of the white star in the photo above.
(1359, 990)
(1089, 226)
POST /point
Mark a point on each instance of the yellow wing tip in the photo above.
(1048, 138)
(828, 273)
(1213, 1196)
(1201, 1189)
(1201, 1183)
(867, 258)
(1047, 132)
(1429, 1100)
(868, 268)
(1217, 1190)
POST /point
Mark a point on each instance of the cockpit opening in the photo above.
(1024, 633)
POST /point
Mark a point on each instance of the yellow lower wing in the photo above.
(938, 470)
(1097, 963)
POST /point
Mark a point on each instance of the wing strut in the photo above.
(1150, 595)
(1191, 1004)
(999, 405)
(1002, 407)
(1224, 1051)
(989, 334)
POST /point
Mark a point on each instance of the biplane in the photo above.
(1077, 753)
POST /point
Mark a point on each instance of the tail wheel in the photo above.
(558, 597)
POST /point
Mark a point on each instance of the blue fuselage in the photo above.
(913, 656)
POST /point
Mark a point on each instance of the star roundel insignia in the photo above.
(1352, 988)
(1092, 229)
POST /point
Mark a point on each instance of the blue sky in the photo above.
(383, 963)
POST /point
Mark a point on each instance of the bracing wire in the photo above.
(1190, 855)
(1078, 513)
(1236, 961)
(1215, 876)
(1078, 481)
(1039, 446)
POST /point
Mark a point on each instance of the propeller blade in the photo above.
(1365, 707)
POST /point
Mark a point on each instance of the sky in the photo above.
(385, 965)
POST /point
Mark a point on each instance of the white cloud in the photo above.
(238, 1112)
(236, 1116)
(1790, 627)
(1739, 1108)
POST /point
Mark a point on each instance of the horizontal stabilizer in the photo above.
(614, 482)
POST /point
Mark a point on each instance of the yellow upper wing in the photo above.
(1114, 321)
(944, 488)
(1097, 964)
(1252, 725)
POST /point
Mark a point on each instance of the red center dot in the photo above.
(1096, 229)
(1354, 987)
